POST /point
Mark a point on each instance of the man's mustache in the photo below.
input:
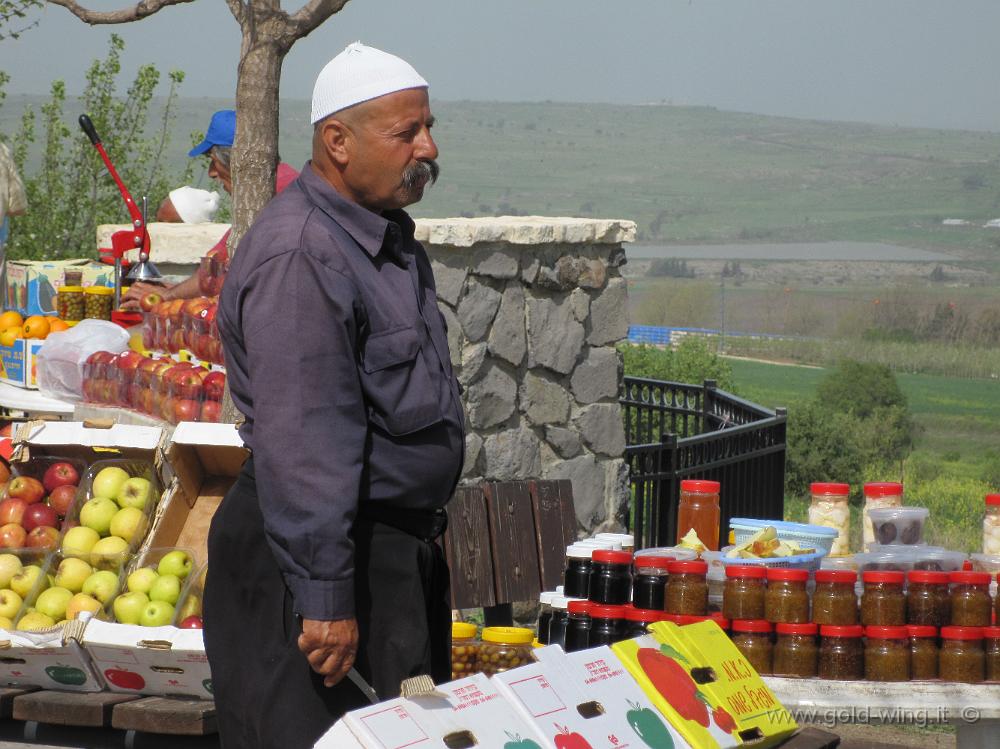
(421, 171)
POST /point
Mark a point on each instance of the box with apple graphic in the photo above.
(18, 364)
(51, 658)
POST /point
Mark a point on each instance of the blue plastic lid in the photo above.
(781, 525)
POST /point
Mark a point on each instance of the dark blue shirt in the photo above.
(337, 355)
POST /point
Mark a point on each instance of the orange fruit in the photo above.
(11, 319)
(10, 335)
(36, 326)
(56, 325)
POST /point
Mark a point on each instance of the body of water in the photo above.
(871, 251)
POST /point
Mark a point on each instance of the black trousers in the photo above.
(266, 695)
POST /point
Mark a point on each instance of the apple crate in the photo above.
(151, 559)
(53, 484)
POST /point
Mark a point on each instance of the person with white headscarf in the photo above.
(322, 557)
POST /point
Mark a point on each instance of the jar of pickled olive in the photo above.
(887, 654)
(649, 584)
(795, 650)
(971, 605)
(559, 620)
(636, 620)
(544, 616)
(991, 525)
(611, 577)
(698, 509)
(829, 508)
(962, 657)
(835, 601)
(577, 625)
(743, 593)
(883, 603)
(464, 649)
(991, 641)
(576, 578)
(841, 652)
(607, 624)
(687, 588)
(98, 302)
(928, 600)
(70, 303)
(878, 495)
(923, 652)
(787, 599)
(504, 648)
(752, 637)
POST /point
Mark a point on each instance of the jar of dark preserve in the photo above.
(991, 639)
(795, 651)
(557, 624)
(743, 592)
(887, 654)
(928, 600)
(636, 621)
(611, 577)
(962, 657)
(787, 599)
(883, 603)
(544, 616)
(752, 637)
(607, 624)
(650, 581)
(923, 652)
(835, 600)
(577, 625)
(841, 652)
(576, 578)
(971, 605)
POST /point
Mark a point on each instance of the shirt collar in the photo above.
(368, 229)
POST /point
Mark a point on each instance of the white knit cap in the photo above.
(358, 74)
(194, 206)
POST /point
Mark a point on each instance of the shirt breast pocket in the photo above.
(401, 393)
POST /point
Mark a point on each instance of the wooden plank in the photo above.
(555, 527)
(512, 534)
(467, 549)
(174, 715)
(69, 708)
(7, 695)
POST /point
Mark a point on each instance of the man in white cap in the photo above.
(189, 205)
(323, 555)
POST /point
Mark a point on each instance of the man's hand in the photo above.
(137, 291)
(329, 647)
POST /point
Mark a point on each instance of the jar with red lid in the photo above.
(829, 508)
(752, 637)
(835, 601)
(687, 588)
(699, 510)
(607, 624)
(928, 600)
(610, 577)
(841, 652)
(578, 625)
(787, 599)
(971, 605)
(991, 641)
(883, 603)
(636, 620)
(650, 581)
(743, 592)
(923, 652)
(718, 617)
(962, 656)
(991, 524)
(879, 494)
(795, 651)
(887, 654)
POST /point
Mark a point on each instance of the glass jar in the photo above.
(576, 578)
(577, 625)
(70, 303)
(752, 637)
(73, 277)
(743, 594)
(879, 494)
(883, 603)
(991, 525)
(504, 648)
(841, 652)
(928, 600)
(991, 640)
(835, 601)
(687, 588)
(787, 599)
(887, 654)
(795, 650)
(699, 509)
(557, 624)
(971, 605)
(723, 622)
(544, 617)
(623, 541)
(98, 302)
(829, 507)
(650, 581)
(636, 620)
(610, 577)
(464, 650)
(962, 657)
(607, 625)
(923, 652)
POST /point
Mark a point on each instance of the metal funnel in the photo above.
(144, 270)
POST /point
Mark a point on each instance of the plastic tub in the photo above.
(906, 558)
(150, 559)
(103, 589)
(37, 468)
(810, 536)
(899, 525)
(986, 563)
(12, 607)
(848, 562)
(810, 562)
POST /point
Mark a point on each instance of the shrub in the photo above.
(691, 362)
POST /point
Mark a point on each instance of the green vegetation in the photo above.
(692, 361)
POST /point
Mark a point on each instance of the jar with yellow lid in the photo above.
(464, 649)
(69, 303)
(504, 648)
(98, 302)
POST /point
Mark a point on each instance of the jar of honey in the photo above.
(699, 510)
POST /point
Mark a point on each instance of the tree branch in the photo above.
(311, 15)
(140, 10)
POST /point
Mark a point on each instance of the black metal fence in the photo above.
(675, 431)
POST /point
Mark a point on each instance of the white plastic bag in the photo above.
(61, 358)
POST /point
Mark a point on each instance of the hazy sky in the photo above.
(910, 62)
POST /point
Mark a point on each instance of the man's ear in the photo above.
(336, 138)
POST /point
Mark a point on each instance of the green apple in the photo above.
(53, 602)
(96, 513)
(135, 493)
(10, 603)
(80, 540)
(102, 585)
(166, 588)
(128, 523)
(108, 482)
(72, 573)
(128, 607)
(35, 620)
(175, 562)
(109, 553)
(7, 622)
(25, 580)
(81, 602)
(10, 565)
(190, 607)
(142, 580)
(157, 614)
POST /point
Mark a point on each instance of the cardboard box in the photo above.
(51, 659)
(88, 442)
(31, 285)
(17, 363)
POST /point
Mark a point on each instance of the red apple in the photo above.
(62, 498)
(186, 409)
(27, 488)
(191, 622)
(194, 307)
(129, 360)
(12, 536)
(43, 537)
(40, 515)
(12, 511)
(186, 384)
(60, 474)
(149, 301)
(215, 385)
(211, 411)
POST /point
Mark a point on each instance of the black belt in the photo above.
(424, 524)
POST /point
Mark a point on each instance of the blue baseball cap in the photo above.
(221, 132)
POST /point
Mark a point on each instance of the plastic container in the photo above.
(624, 541)
(962, 657)
(991, 525)
(878, 495)
(971, 605)
(504, 648)
(744, 592)
(544, 616)
(787, 599)
(898, 525)
(991, 645)
(607, 625)
(70, 303)
(649, 582)
(637, 620)
(923, 652)
(805, 535)
(808, 562)
(848, 563)
(883, 603)
(986, 563)
(841, 652)
(193, 598)
(610, 577)
(94, 592)
(936, 559)
(752, 637)
(887, 654)
(188, 579)
(928, 600)
(18, 595)
(795, 650)
(687, 589)
(38, 467)
(829, 507)
(98, 302)
(464, 650)
(578, 625)
(676, 553)
(698, 509)
(834, 600)
(560, 618)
